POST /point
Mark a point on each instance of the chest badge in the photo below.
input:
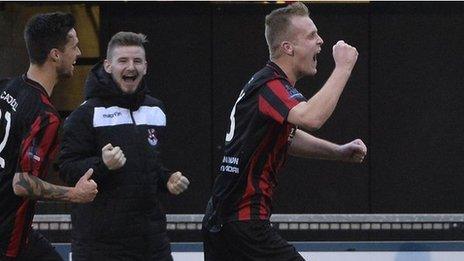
(152, 139)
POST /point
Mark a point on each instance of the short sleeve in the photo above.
(277, 98)
(39, 147)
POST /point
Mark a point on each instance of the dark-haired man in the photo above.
(28, 133)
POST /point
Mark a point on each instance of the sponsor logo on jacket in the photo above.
(112, 115)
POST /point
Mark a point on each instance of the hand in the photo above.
(345, 55)
(354, 151)
(177, 183)
(85, 189)
(113, 157)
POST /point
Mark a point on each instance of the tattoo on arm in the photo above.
(36, 188)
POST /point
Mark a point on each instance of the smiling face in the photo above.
(67, 57)
(127, 65)
(306, 45)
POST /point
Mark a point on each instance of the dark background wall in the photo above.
(200, 55)
(417, 107)
(403, 100)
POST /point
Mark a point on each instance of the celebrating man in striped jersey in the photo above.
(266, 124)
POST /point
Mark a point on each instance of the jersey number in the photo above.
(5, 138)
(230, 134)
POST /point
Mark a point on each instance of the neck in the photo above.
(287, 67)
(44, 75)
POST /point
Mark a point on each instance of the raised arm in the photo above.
(311, 115)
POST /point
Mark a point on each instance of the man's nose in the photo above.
(130, 65)
(320, 41)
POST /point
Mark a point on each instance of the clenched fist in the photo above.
(113, 157)
(85, 189)
(354, 151)
(177, 183)
(345, 55)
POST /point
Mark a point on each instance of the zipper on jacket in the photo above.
(133, 120)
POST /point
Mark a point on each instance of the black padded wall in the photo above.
(179, 70)
(417, 110)
(403, 100)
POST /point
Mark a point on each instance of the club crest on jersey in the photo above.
(293, 92)
(152, 139)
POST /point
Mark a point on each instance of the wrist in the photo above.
(339, 155)
(72, 194)
(343, 70)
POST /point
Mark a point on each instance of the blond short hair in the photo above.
(277, 25)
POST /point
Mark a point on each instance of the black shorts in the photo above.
(37, 248)
(247, 240)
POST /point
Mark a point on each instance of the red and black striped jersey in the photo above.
(28, 143)
(255, 148)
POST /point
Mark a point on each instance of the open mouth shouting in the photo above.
(129, 78)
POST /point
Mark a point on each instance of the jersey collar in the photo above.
(35, 84)
(277, 69)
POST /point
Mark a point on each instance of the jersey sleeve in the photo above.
(277, 98)
(39, 146)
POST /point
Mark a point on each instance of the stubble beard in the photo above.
(63, 73)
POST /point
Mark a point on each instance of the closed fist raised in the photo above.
(177, 183)
(345, 55)
(113, 157)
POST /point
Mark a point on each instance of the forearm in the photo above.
(26, 185)
(311, 115)
(323, 103)
(307, 146)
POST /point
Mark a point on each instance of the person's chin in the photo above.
(65, 76)
(310, 72)
(128, 88)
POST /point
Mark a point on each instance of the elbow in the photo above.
(310, 121)
(18, 188)
(19, 191)
(312, 124)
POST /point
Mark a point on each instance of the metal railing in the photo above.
(338, 222)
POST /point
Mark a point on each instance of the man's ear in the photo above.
(287, 48)
(107, 66)
(54, 55)
(145, 69)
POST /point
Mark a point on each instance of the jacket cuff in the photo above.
(100, 172)
(164, 177)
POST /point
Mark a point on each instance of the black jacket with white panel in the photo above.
(126, 209)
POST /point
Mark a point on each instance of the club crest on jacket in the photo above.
(152, 137)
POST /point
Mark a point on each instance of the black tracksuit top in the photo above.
(126, 209)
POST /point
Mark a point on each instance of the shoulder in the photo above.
(19, 98)
(264, 76)
(152, 112)
(83, 113)
(152, 101)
